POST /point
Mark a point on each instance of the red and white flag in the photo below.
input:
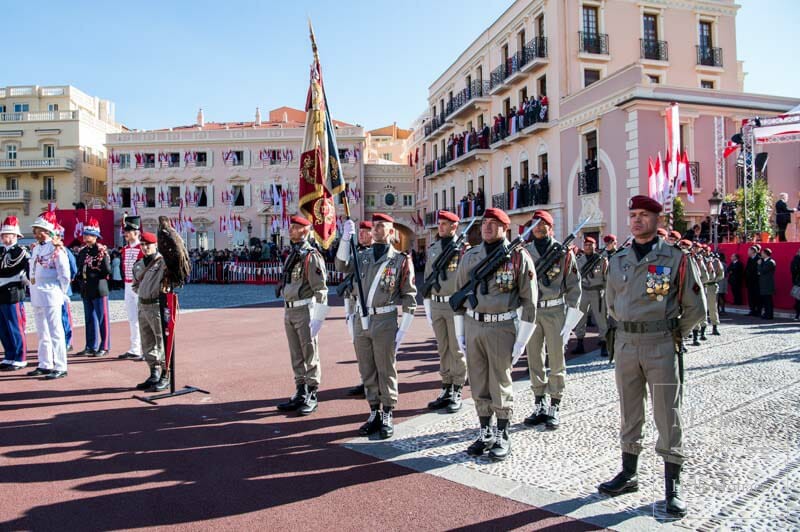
(684, 178)
(673, 140)
(652, 185)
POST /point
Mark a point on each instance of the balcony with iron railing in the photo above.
(709, 56)
(653, 50)
(47, 194)
(434, 125)
(32, 165)
(534, 54)
(476, 92)
(593, 43)
(39, 116)
(534, 119)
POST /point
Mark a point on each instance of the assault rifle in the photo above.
(345, 286)
(287, 270)
(591, 263)
(485, 269)
(554, 254)
(439, 268)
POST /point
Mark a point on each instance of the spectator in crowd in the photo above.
(705, 230)
(795, 269)
(116, 270)
(766, 282)
(783, 215)
(751, 280)
(525, 192)
(735, 278)
(722, 286)
(693, 234)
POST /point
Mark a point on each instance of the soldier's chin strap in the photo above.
(524, 333)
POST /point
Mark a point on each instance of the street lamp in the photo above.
(714, 207)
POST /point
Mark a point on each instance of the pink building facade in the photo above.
(223, 183)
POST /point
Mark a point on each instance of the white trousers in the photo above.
(52, 347)
(132, 308)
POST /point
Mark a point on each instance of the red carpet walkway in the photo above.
(80, 454)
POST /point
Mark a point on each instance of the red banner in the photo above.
(782, 254)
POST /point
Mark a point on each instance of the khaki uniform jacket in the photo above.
(627, 298)
(307, 278)
(449, 285)
(396, 284)
(564, 279)
(147, 279)
(597, 277)
(512, 286)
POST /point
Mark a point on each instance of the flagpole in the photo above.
(342, 195)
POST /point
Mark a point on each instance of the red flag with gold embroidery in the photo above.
(318, 164)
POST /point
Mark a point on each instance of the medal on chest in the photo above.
(657, 282)
(389, 277)
(504, 277)
(453, 264)
(297, 272)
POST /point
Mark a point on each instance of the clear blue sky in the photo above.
(161, 60)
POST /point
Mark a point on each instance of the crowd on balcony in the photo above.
(471, 205)
(529, 112)
(466, 141)
(533, 191)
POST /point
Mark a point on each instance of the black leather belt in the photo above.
(642, 327)
(594, 288)
(144, 301)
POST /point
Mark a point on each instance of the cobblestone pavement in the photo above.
(742, 436)
(193, 298)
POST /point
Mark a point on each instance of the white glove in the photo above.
(517, 353)
(348, 320)
(318, 313)
(405, 323)
(427, 304)
(573, 317)
(458, 321)
(524, 333)
(348, 230)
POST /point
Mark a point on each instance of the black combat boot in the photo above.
(485, 439)
(553, 417)
(356, 391)
(455, 399)
(373, 423)
(294, 401)
(155, 373)
(703, 333)
(502, 443)
(626, 480)
(603, 349)
(539, 414)
(672, 489)
(579, 349)
(310, 404)
(162, 384)
(444, 397)
(715, 330)
(695, 341)
(387, 423)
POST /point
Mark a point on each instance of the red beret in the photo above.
(379, 217)
(589, 239)
(675, 234)
(497, 214)
(609, 238)
(366, 224)
(544, 216)
(646, 203)
(685, 243)
(662, 232)
(447, 215)
(299, 220)
(148, 238)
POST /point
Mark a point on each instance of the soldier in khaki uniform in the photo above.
(488, 334)
(350, 303)
(699, 330)
(716, 273)
(305, 299)
(655, 295)
(452, 360)
(559, 294)
(387, 277)
(592, 286)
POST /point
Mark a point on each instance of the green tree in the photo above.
(678, 213)
(759, 209)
